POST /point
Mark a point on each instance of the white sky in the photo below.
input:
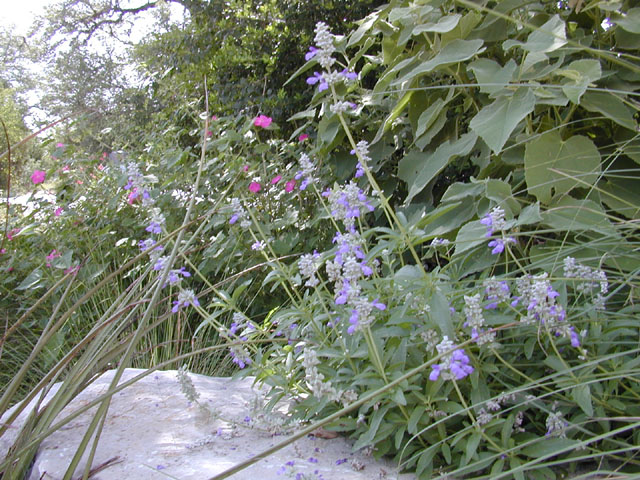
(21, 13)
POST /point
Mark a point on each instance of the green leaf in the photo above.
(500, 192)
(551, 163)
(530, 215)
(427, 117)
(621, 195)
(574, 215)
(582, 396)
(454, 52)
(32, 280)
(630, 22)
(610, 106)
(367, 438)
(547, 38)
(397, 110)
(491, 76)
(472, 445)
(580, 75)
(364, 27)
(495, 122)
(548, 447)
(463, 29)
(414, 419)
(451, 219)
(444, 24)
(460, 191)
(425, 462)
(328, 128)
(441, 314)
(470, 235)
(418, 170)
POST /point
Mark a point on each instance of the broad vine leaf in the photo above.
(570, 214)
(495, 122)
(621, 195)
(547, 38)
(418, 169)
(454, 52)
(629, 22)
(491, 77)
(470, 235)
(552, 163)
(580, 74)
(610, 106)
(444, 24)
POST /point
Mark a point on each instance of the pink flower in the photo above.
(254, 187)
(13, 232)
(209, 133)
(101, 167)
(58, 212)
(79, 182)
(214, 118)
(59, 145)
(303, 137)
(52, 256)
(276, 179)
(72, 270)
(38, 176)
(245, 168)
(289, 186)
(65, 168)
(3, 251)
(262, 121)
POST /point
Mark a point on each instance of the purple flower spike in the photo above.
(348, 74)
(311, 53)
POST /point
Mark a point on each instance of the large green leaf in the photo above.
(610, 106)
(579, 75)
(630, 22)
(491, 76)
(549, 37)
(570, 214)
(470, 235)
(495, 122)
(418, 169)
(444, 24)
(621, 195)
(552, 163)
(454, 52)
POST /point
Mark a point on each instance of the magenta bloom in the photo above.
(12, 233)
(289, 186)
(59, 145)
(276, 179)
(38, 176)
(254, 187)
(245, 168)
(58, 212)
(262, 121)
(303, 137)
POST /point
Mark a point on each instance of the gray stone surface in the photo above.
(153, 432)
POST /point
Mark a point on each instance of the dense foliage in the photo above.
(436, 255)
